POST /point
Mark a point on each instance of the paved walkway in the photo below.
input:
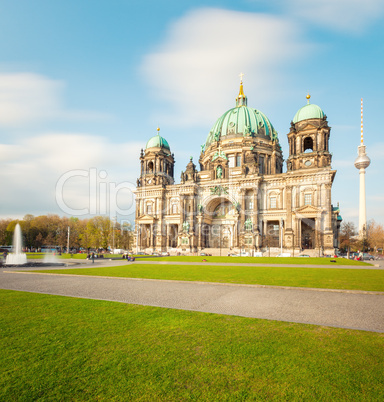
(344, 309)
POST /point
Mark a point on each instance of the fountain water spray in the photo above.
(17, 257)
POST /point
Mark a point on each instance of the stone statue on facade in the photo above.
(186, 226)
(219, 171)
(248, 224)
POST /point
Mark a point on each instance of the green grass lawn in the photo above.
(326, 278)
(79, 256)
(34, 256)
(61, 348)
(261, 260)
(224, 259)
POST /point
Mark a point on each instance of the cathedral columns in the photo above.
(328, 233)
(181, 211)
(200, 225)
(328, 226)
(242, 209)
(236, 231)
(288, 229)
(138, 238)
(192, 215)
(265, 228)
(167, 235)
(288, 207)
(255, 218)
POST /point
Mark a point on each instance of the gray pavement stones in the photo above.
(344, 309)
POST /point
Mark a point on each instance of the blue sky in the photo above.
(84, 85)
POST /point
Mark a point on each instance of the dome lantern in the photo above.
(158, 141)
(241, 99)
(309, 111)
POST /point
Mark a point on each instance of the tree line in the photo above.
(350, 241)
(40, 231)
(102, 232)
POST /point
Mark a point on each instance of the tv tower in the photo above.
(361, 163)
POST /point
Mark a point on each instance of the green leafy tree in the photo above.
(5, 235)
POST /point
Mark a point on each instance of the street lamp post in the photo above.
(137, 238)
(113, 234)
(68, 239)
(220, 238)
(293, 243)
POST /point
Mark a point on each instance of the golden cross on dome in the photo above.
(241, 75)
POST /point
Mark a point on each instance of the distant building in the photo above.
(239, 199)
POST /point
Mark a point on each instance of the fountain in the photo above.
(17, 257)
(50, 259)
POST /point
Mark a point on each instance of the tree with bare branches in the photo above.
(348, 234)
(375, 235)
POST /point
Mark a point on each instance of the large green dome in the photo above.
(241, 121)
(309, 111)
(158, 141)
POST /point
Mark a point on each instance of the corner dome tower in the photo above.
(241, 121)
(158, 141)
(308, 139)
(309, 111)
(157, 163)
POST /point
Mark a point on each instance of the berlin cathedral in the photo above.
(238, 200)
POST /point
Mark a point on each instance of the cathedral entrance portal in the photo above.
(308, 234)
(145, 236)
(272, 237)
(220, 236)
(172, 236)
(219, 232)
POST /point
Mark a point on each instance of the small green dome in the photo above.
(309, 111)
(243, 121)
(158, 142)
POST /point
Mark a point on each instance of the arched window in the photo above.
(273, 202)
(150, 167)
(308, 144)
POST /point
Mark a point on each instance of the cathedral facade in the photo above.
(238, 200)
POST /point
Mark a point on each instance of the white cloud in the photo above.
(210, 47)
(32, 164)
(339, 15)
(33, 167)
(27, 98)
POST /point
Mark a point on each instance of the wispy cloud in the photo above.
(27, 99)
(208, 47)
(338, 15)
(33, 167)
